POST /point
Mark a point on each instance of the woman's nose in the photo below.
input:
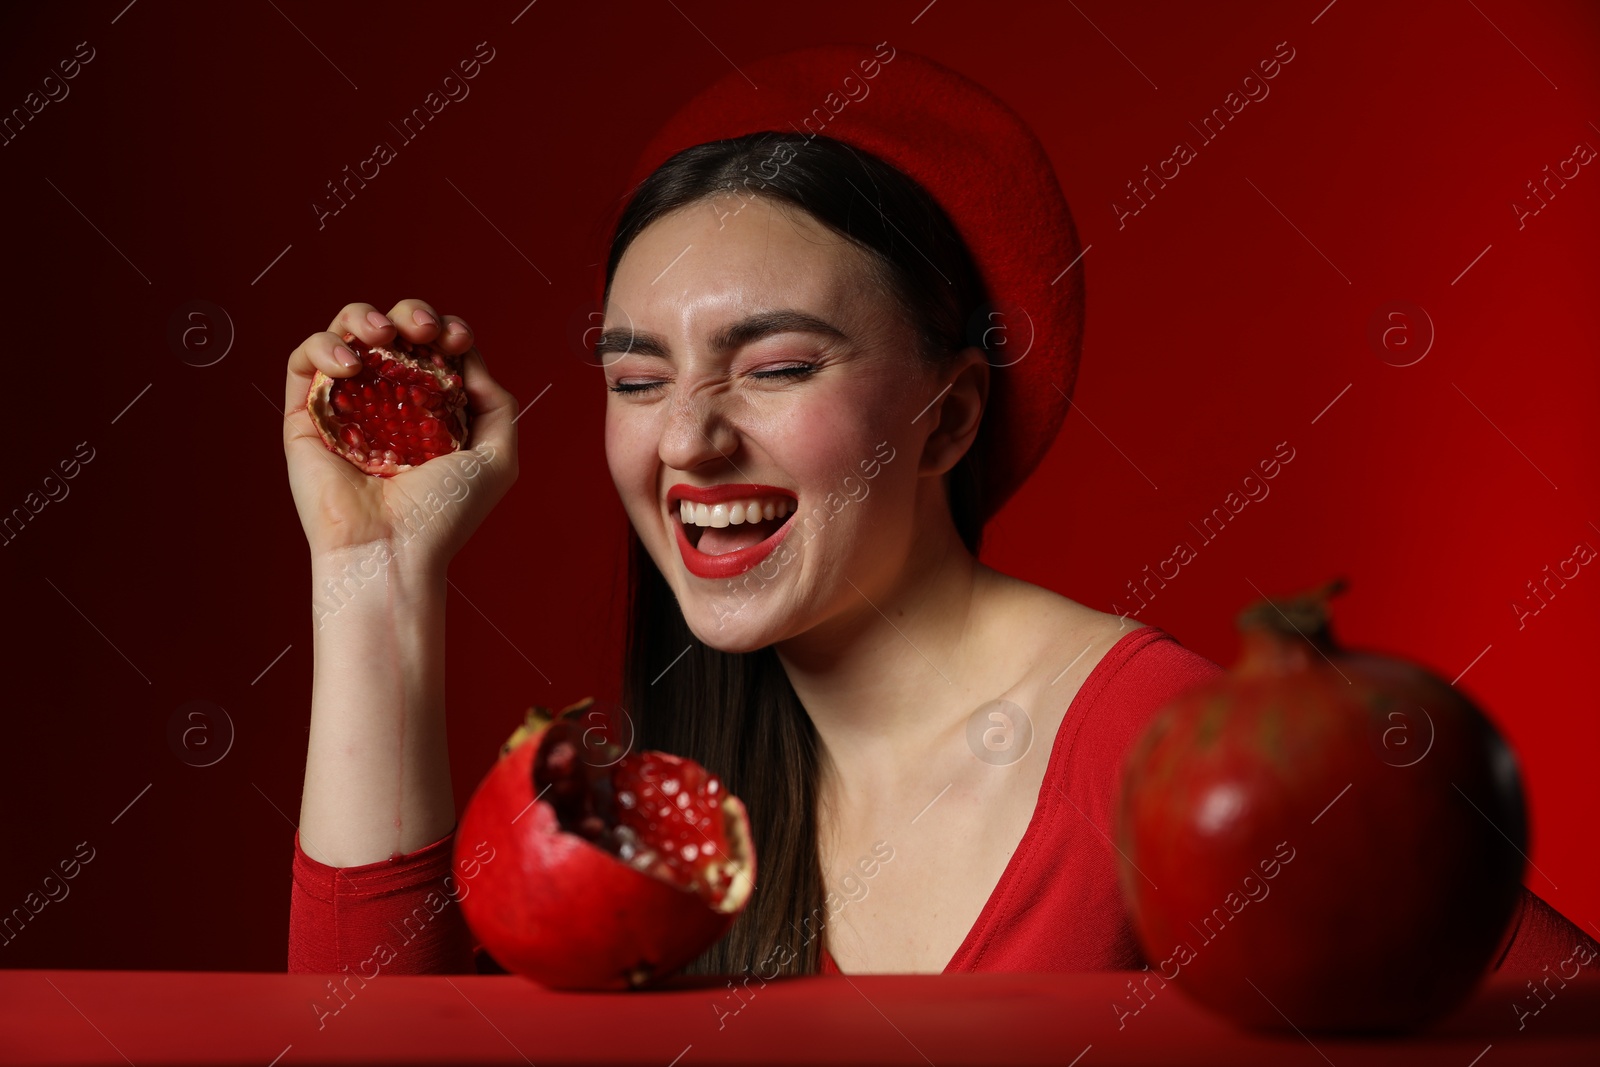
(697, 433)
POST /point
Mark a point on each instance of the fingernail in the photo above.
(422, 318)
(378, 321)
(455, 329)
(345, 357)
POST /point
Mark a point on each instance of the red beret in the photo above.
(989, 173)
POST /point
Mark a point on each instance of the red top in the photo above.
(1057, 906)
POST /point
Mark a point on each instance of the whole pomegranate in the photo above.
(612, 869)
(1322, 839)
(406, 405)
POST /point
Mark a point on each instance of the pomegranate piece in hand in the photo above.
(406, 405)
(610, 869)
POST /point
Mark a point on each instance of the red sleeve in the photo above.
(396, 916)
(1541, 937)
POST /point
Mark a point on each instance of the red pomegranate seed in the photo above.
(675, 803)
(406, 405)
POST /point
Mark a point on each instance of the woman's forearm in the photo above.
(377, 766)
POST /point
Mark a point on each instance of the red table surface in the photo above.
(161, 1017)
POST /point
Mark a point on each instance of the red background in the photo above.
(198, 137)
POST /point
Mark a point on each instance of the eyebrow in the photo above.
(735, 335)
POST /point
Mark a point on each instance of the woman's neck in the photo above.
(891, 675)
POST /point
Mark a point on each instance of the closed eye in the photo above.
(636, 387)
(798, 371)
(790, 373)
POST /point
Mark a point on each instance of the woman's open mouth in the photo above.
(721, 535)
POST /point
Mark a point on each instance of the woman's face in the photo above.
(757, 355)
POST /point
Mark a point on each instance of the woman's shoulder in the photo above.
(1144, 669)
(1118, 673)
(1119, 660)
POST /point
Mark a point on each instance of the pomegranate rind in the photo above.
(741, 866)
(555, 908)
(386, 463)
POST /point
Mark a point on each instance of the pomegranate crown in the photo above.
(1287, 634)
(539, 717)
(1304, 614)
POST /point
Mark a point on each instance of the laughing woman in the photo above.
(811, 415)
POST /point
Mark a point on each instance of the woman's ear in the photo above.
(958, 411)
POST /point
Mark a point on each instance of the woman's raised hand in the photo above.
(423, 515)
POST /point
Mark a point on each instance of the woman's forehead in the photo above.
(725, 257)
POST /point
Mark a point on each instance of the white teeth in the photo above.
(735, 513)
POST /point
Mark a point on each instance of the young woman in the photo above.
(803, 352)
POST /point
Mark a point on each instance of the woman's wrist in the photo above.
(344, 577)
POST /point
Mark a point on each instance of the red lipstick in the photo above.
(728, 564)
(721, 494)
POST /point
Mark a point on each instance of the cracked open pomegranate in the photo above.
(613, 868)
(1322, 839)
(406, 405)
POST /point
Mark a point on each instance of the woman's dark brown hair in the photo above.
(736, 713)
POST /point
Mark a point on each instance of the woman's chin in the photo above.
(729, 623)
